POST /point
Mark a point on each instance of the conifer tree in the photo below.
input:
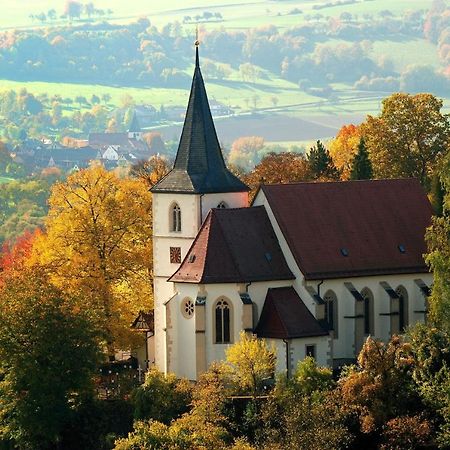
(321, 163)
(361, 164)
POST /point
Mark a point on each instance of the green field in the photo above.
(5, 180)
(236, 14)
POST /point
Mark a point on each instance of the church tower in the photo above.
(198, 182)
(134, 130)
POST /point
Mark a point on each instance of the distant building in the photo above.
(65, 158)
(129, 144)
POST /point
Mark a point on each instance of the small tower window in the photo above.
(176, 218)
(222, 319)
(222, 205)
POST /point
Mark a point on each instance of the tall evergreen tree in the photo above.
(361, 164)
(321, 163)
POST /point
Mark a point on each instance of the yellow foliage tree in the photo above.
(251, 362)
(344, 147)
(98, 242)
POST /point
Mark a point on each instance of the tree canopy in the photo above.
(98, 242)
(49, 350)
(409, 138)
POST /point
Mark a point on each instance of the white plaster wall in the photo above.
(232, 199)
(182, 334)
(297, 351)
(183, 352)
(111, 154)
(343, 346)
(163, 239)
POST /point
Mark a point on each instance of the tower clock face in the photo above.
(175, 255)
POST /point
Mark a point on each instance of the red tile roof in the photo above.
(365, 220)
(285, 316)
(234, 245)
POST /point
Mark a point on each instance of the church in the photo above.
(313, 268)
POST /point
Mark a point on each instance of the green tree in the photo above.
(408, 138)
(162, 397)
(361, 165)
(321, 163)
(49, 350)
(438, 258)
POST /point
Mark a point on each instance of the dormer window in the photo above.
(222, 205)
(176, 218)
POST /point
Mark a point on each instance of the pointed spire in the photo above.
(199, 166)
(134, 124)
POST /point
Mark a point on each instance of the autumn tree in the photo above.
(154, 142)
(344, 147)
(381, 388)
(408, 138)
(49, 350)
(303, 412)
(361, 164)
(285, 167)
(251, 362)
(321, 164)
(98, 242)
(245, 151)
(14, 253)
(150, 171)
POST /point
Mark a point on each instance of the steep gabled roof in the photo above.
(234, 245)
(353, 228)
(134, 125)
(199, 166)
(285, 316)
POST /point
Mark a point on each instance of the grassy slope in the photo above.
(234, 92)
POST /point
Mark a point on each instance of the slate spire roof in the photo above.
(199, 166)
(134, 125)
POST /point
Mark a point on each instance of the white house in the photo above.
(312, 267)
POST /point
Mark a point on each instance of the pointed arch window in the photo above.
(222, 205)
(331, 314)
(222, 318)
(366, 293)
(403, 309)
(175, 218)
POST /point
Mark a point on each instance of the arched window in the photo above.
(368, 311)
(222, 317)
(222, 205)
(175, 218)
(402, 308)
(331, 316)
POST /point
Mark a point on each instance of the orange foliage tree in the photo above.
(286, 167)
(344, 147)
(98, 242)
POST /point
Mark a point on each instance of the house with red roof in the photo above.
(313, 268)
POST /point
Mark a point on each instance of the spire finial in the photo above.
(196, 43)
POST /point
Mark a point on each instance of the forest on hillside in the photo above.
(313, 53)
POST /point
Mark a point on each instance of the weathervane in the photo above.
(197, 42)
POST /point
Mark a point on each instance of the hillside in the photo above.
(335, 59)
